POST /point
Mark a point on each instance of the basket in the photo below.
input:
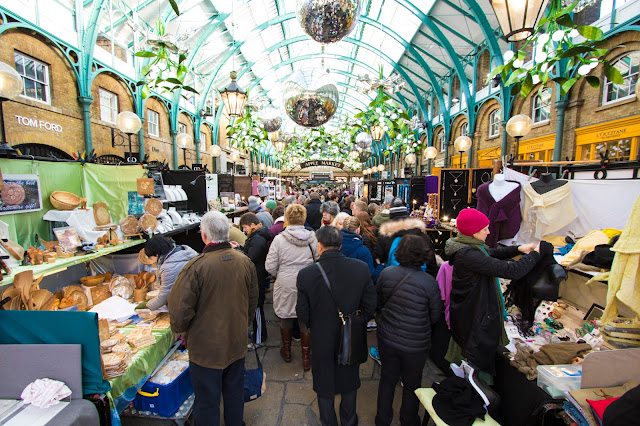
(63, 200)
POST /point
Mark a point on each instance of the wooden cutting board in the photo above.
(101, 214)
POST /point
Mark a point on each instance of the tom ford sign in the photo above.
(320, 163)
(38, 124)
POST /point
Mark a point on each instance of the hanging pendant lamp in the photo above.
(518, 18)
(234, 98)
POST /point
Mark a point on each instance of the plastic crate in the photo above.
(558, 379)
(164, 399)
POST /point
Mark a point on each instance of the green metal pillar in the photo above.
(85, 101)
(503, 144)
(174, 146)
(561, 107)
(141, 139)
(196, 136)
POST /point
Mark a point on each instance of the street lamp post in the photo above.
(462, 144)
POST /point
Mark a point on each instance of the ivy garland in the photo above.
(557, 57)
(246, 132)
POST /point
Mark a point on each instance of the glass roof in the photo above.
(422, 40)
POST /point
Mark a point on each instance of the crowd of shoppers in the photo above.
(320, 252)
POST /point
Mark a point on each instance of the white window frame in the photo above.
(151, 124)
(182, 128)
(203, 141)
(441, 141)
(45, 82)
(538, 105)
(108, 105)
(494, 123)
(627, 77)
(464, 129)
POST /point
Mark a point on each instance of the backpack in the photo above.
(391, 259)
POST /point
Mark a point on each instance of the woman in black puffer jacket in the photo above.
(409, 303)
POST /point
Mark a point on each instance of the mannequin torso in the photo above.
(500, 188)
(547, 183)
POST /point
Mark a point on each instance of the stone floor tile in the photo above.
(296, 415)
(265, 410)
(278, 370)
(299, 393)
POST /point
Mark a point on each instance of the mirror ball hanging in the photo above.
(328, 21)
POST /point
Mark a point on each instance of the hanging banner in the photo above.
(20, 194)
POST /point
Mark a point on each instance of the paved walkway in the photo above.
(290, 399)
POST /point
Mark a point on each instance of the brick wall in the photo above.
(482, 139)
(158, 147)
(483, 69)
(63, 110)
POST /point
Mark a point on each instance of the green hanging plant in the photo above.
(246, 132)
(557, 54)
(166, 70)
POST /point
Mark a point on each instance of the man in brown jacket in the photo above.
(212, 304)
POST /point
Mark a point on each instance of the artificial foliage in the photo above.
(247, 133)
(557, 55)
(166, 71)
(386, 113)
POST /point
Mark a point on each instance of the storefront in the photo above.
(619, 137)
(486, 156)
(537, 149)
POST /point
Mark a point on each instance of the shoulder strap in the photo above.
(254, 348)
(395, 288)
(314, 258)
(326, 281)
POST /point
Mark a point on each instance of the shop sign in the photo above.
(326, 163)
(611, 134)
(38, 124)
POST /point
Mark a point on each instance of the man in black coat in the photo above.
(351, 286)
(314, 215)
(256, 248)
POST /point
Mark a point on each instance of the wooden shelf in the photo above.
(62, 264)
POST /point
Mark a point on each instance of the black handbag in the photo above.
(548, 285)
(352, 347)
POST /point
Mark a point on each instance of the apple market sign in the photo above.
(38, 124)
(320, 163)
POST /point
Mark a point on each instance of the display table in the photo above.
(144, 362)
(64, 263)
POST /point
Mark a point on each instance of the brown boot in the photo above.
(305, 344)
(285, 350)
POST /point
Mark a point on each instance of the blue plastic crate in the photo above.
(164, 399)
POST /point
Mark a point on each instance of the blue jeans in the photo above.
(209, 384)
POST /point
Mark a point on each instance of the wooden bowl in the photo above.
(40, 298)
(92, 281)
(63, 200)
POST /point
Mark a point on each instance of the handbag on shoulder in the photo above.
(352, 347)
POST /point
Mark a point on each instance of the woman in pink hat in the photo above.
(477, 309)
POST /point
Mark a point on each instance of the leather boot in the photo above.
(305, 344)
(285, 350)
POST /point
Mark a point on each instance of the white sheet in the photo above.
(600, 204)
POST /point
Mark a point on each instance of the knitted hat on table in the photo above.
(470, 221)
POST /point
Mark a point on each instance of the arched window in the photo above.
(494, 123)
(629, 66)
(464, 129)
(442, 141)
(542, 106)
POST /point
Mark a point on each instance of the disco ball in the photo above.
(309, 102)
(363, 140)
(328, 21)
(269, 118)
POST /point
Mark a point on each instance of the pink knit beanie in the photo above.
(470, 221)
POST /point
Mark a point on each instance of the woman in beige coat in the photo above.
(291, 250)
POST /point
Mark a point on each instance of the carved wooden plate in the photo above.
(101, 214)
(129, 225)
(153, 206)
(148, 223)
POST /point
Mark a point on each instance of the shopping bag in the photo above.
(255, 380)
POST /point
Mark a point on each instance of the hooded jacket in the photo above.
(475, 310)
(291, 250)
(212, 304)
(168, 272)
(353, 247)
(406, 317)
(381, 217)
(277, 227)
(400, 227)
(257, 247)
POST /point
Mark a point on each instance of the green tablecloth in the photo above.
(143, 362)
